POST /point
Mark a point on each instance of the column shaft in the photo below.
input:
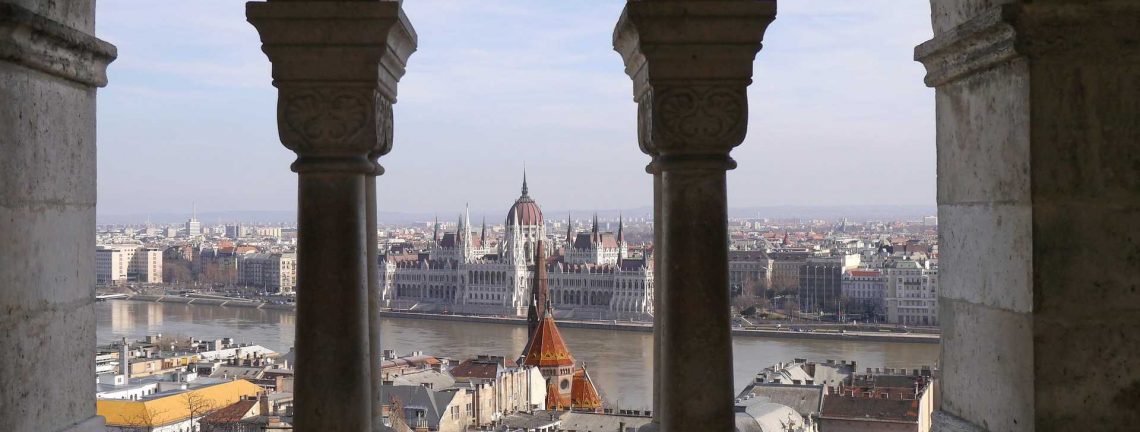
(696, 363)
(50, 68)
(333, 370)
(374, 302)
(658, 298)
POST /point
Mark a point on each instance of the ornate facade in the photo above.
(594, 276)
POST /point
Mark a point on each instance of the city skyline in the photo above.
(538, 83)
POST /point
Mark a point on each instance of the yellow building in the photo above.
(173, 412)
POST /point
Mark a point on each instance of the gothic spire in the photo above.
(569, 229)
(524, 189)
(466, 227)
(594, 230)
(435, 229)
(483, 235)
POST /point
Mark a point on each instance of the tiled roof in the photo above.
(476, 369)
(847, 407)
(547, 349)
(232, 413)
(583, 394)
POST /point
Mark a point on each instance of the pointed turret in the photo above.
(435, 230)
(620, 237)
(483, 235)
(466, 243)
(546, 349)
(524, 189)
(594, 229)
(569, 231)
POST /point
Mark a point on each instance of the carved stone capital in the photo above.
(36, 42)
(336, 65)
(691, 63)
(333, 128)
(696, 124)
(1034, 31)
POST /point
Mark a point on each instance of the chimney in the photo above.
(124, 361)
(263, 403)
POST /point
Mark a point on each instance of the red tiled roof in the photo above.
(547, 349)
(474, 369)
(846, 407)
(583, 394)
(231, 413)
(555, 400)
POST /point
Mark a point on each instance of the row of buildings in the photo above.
(272, 272)
(830, 396)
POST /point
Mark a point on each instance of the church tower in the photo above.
(539, 292)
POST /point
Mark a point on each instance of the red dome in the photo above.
(527, 212)
(525, 209)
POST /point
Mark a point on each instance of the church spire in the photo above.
(620, 237)
(539, 293)
(594, 229)
(569, 230)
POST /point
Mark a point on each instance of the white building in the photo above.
(275, 272)
(911, 292)
(595, 277)
(866, 291)
(117, 264)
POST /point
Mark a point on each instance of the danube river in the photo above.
(620, 362)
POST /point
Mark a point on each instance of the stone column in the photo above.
(335, 65)
(1038, 111)
(50, 68)
(375, 299)
(691, 63)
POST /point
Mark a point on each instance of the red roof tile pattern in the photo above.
(547, 349)
(476, 369)
(231, 413)
(555, 400)
(583, 394)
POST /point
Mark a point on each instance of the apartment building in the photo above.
(119, 264)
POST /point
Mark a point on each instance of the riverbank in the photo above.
(877, 336)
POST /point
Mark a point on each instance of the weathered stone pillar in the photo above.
(375, 299)
(50, 67)
(1038, 110)
(691, 63)
(336, 65)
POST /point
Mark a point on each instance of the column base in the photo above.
(93, 424)
(943, 422)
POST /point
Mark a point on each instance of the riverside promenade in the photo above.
(808, 331)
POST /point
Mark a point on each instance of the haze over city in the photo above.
(493, 86)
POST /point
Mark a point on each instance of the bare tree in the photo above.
(143, 421)
(176, 271)
(198, 406)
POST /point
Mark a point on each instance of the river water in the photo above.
(620, 362)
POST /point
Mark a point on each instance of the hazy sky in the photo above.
(838, 111)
